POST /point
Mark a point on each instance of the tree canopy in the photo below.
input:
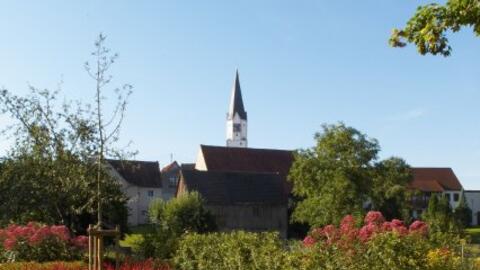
(428, 27)
(341, 175)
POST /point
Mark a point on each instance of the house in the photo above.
(240, 200)
(473, 200)
(431, 181)
(141, 182)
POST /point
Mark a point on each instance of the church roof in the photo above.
(138, 173)
(234, 188)
(236, 101)
(435, 180)
(219, 158)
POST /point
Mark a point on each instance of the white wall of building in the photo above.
(236, 137)
(473, 201)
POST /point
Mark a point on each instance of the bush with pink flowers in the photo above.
(375, 244)
(37, 242)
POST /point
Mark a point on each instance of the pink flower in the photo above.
(80, 241)
(374, 217)
(61, 232)
(367, 231)
(419, 227)
(347, 223)
(309, 241)
(9, 243)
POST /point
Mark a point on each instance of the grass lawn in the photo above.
(474, 233)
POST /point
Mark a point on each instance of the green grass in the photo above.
(474, 234)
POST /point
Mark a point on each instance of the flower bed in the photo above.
(142, 265)
(36, 242)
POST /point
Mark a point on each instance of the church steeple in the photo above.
(236, 117)
(236, 101)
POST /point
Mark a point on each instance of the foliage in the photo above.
(341, 173)
(463, 213)
(439, 215)
(427, 28)
(229, 251)
(140, 265)
(44, 266)
(374, 244)
(378, 244)
(173, 218)
(35, 242)
(48, 174)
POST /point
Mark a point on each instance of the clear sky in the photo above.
(301, 63)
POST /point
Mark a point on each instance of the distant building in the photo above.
(170, 177)
(240, 200)
(473, 200)
(236, 118)
(431, 181)
(141, 182)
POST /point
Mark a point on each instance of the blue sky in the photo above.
(301, 63)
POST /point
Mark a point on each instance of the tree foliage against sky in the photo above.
(428, 27)
(340, 175)
(50, 174)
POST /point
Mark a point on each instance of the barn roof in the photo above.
(138, 173)
(435, 179)
(218, 158)
(234, 188)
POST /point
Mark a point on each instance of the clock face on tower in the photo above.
(237, 127)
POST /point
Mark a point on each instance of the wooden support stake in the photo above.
(95, 253)
(100, 252)
(117, 247)
(90, 248)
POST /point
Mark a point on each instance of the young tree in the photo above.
(439, 215)
(428, 27)
(463, 213)
(108, 127)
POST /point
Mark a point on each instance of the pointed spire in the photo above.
(236, 101)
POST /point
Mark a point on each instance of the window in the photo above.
(172, 181)
(448, 196)
(150, 193)
(237, 127)
(456, 197)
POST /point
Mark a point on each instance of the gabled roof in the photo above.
(138, 173)
(219, 158)
(435, 180)
(235, 188)
(172, 165)
(236, 101)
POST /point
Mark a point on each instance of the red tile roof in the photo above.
(435, 179)
(218, 158)
(254, 160)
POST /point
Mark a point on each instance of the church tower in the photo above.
(236, 118)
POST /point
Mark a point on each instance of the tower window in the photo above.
(237, 128)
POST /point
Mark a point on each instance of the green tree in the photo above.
(463, 213)
(173, 218)
(428, 27)
(389, 192)
(439, 215)
(340, 175)
(49, 175)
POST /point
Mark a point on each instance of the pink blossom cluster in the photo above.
(347, 234)
(34, 234)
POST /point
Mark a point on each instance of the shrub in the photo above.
(44, 266)
(171, 219)
(227, 251)
(35, 242)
